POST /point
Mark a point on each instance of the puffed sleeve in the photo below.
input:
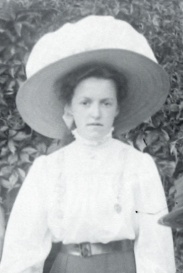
(154, 250)
(27, 239)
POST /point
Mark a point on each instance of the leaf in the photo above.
(11, 146)
(179, 184)
(11, 85)
(12, 159)
(2, 143)
(151, 137)
(18, 28)
(4, 151)
(21, 173)
(24, 157)
(20, 136)
(41, 147)
(13, 179)
(3, 79)
(4, 15)
(12, 39)
(139, 142)
(10, 198)
(6, 171)
(167, 167)
(29, 150)
(165, 135)
(174, 108)
(8, 10)
(5, 183)
(3, 69)
(12, 133)
(172, 190)
(16, 123)
(173, 150)
(4, 128)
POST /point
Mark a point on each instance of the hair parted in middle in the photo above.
(68, 84)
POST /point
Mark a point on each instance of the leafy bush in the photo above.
(23, 22)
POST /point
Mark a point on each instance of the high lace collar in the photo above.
(93, 143)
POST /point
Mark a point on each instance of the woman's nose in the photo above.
(95, 111)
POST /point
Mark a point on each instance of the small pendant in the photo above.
(117, 208)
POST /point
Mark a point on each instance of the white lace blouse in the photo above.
(89, 192)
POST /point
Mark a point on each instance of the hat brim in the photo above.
(173, 219)
(148, 85)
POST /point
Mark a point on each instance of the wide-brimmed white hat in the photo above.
(94, 39)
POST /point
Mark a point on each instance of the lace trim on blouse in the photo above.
(87, 142)
(56, 212)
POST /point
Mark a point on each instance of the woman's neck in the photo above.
(91, 142)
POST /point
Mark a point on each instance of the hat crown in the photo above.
(90, 33)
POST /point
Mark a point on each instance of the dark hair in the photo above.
(101, 71)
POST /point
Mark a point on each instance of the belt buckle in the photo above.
(85, 249)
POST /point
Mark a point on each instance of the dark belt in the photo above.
(89, 249)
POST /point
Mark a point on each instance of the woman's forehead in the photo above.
(95, 88)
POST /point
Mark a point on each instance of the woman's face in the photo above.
(94, 107)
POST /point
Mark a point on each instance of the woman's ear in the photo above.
(68, 116)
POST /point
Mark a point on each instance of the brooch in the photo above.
(117, 208)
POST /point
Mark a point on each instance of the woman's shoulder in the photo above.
(117, 147)
(129, 150)
(55, 160)
(133, 158)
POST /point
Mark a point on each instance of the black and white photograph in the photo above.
(91, 136)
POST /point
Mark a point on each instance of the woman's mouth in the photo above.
(95, 124)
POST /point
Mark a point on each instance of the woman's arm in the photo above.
(28, 240)
(154, 250)
(2, 229)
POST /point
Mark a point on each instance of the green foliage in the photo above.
(23, 22)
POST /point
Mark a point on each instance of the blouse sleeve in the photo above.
(2, 229)
(154, 250)
(27, 239)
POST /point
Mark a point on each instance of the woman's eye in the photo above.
(85, 103)
(107, 103)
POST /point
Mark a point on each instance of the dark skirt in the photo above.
(115, 262)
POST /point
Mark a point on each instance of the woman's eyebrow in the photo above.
(85, 98)
(103, 99)
(107, 99)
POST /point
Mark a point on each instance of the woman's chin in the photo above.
(95, 136)
(93, 133)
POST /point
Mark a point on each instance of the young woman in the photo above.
(97, 196)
